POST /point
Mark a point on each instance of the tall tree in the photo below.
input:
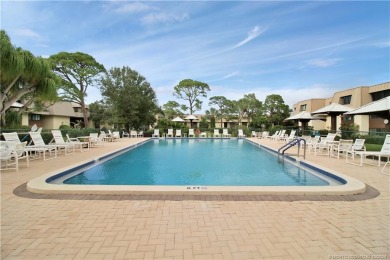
(133, 99)
(23, 76)
(78, 71)
(191, 90)
(253, 106)
(221, 102)
(172, 109)
(211, 115)
(275, 108)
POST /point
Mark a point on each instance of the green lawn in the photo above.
(373, 147)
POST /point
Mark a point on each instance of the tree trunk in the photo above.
(84, 114)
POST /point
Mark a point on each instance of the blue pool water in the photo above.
(197, 162)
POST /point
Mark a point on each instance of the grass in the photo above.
(373, 147)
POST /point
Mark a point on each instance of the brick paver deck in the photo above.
(35, 226)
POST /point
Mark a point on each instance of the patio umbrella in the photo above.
(17, 105)
(191, 117)
(380, 107)
(333, 110)
(304, 117)
(177, 119)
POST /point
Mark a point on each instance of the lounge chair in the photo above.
(77, 143)
(274, 135)
(342, 146)
(37, 140)
(116, 135)
(240, 134)
(170, 133)
(59, 141)
(384, 152)
(10, 154)
(225, 133)
(133, 134)
(96, 140)
(140, 134)
(216, 133)
(203, 134)
(263, 135)
(280, 136)
(178, 133)
(253, 134)
(323, 144)
(125, 134)
(291, 136)
(156, 133)
(34, 151)
(191, 132)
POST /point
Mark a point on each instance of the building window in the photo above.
(303, 108)
(380, 94)
(345, 100)
(35, 117)
(77, 109)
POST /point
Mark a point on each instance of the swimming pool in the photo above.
(220, 162)
(180, 171)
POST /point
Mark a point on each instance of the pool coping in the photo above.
(40, 184)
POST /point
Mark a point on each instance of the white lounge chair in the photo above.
(96, 140)
(203, 134)
(263, 135)
(280, 136)
(125, 134)
(34, 151)
(10, 154)
(225, 133)
(133, 134)
(116, 135)
(342, 146)
(191, 132)
(156, 133)
(140, 134)
(216, 133)
(384, 152)
(37, 140)
(241, 134)
(253, 134)
(291, 136)
(77, 143)
(59, 141)
(323, 144)
(170, 133)
(178, 133)
(274, 135)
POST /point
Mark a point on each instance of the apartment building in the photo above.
(353, 98)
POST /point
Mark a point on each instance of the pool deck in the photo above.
(51, 226)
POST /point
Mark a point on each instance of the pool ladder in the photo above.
(296, 141)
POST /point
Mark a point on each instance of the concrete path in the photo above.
(35, 226)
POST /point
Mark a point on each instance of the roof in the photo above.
(376, 106)
(332, 108)
(304, 115)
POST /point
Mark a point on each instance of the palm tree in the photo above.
(23, 76)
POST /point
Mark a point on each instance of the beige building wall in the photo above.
(54, 122)
(25, 120)
(362, 121)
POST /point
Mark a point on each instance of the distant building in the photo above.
(354, 98)
(52, 117)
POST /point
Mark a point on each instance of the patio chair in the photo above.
(274, 135)
(34, 151)
(77, 143)
(240, 134)
(263, 135)
(37, 140)
(156, 133)
(170, 133)
(191, 132)
(216, 133)
(96, 140)
(384, 152)
(291, 136)
(253, 134)
(116, 135)
(225, 133)
(323, 144)
(203, 134)
(133, 134)
(140, 134)
(342, 146)
(178, 133)
(10, 154)
(59, 141)
(280, 136)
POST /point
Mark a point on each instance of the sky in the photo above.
(299, 50)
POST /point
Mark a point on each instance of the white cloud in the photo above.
(133, 8)
(323, 63)
(27, 33)
(252, 34)
(155, 18)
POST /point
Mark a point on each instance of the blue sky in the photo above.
(300, 50)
